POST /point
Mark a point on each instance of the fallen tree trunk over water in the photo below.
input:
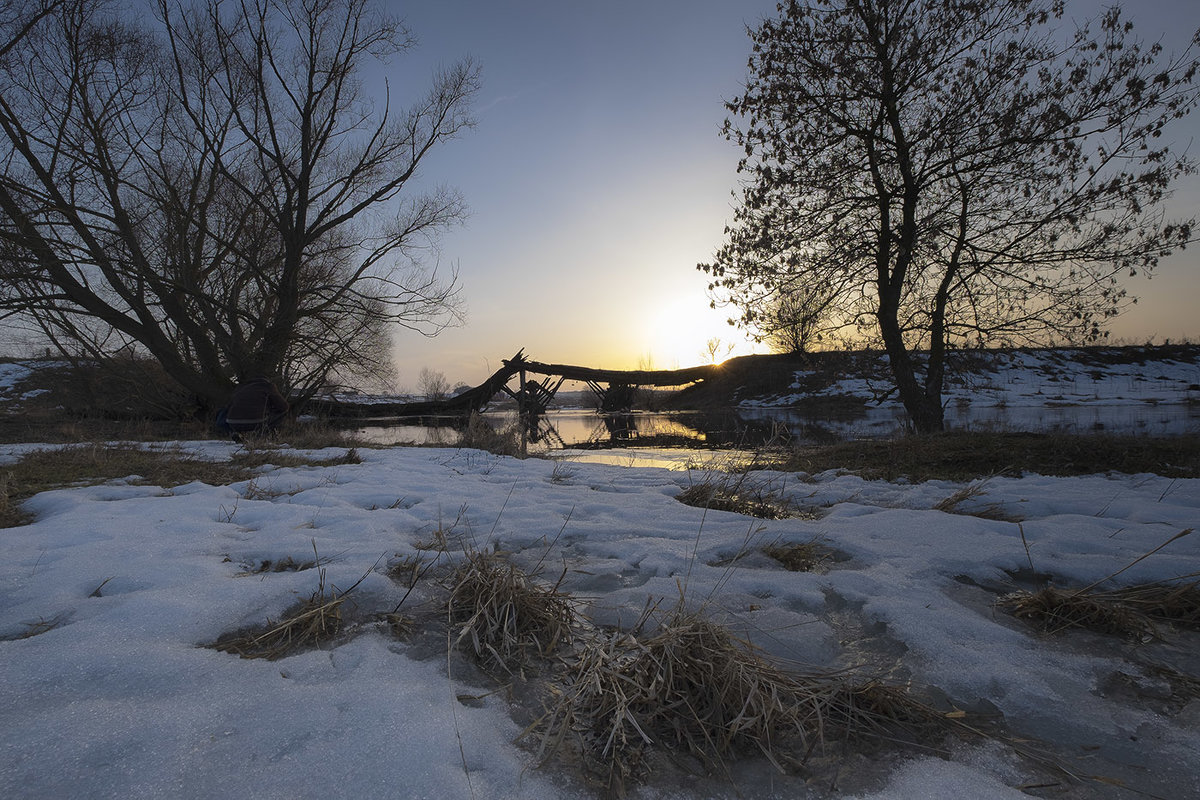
(477, 398)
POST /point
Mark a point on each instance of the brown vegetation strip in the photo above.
(155, 465)
(965, 456)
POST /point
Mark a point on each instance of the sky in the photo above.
(597, 179)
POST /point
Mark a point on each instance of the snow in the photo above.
(118, 697)
(1067, 389)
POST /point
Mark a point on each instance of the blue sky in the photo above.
(597, 179)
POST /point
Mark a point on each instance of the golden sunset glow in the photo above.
(678, 334)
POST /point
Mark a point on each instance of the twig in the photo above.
(1179, 535)
(1025, 542)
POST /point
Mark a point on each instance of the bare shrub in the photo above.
(433, 384)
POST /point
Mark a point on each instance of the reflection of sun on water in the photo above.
(679, 333)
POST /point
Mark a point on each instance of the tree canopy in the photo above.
(215, 184)
(951, 173)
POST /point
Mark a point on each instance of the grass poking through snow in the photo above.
(692, 688)
(504, 615)
(800, 556)
(308, 624)
(1134, 612)
(738, 492)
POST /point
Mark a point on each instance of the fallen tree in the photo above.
(477, 398)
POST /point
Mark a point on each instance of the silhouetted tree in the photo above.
(433, 384)
(958, 171)
(794, 319)
(211, 183)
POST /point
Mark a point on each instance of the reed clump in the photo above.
(481, 434)
(1134, 612)
(736, 492)
(503, 615)
(693, 688)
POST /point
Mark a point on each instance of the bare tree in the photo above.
(957, 172)
(433, 384)
(716, 351)
(795, 319)
(213, 185)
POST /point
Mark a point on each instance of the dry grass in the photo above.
(406, 570)
(316, 436)
(305, 625)
(504, 615)
(87, 464)
(799, 556)
(10, 507)
(1130, 611)
(964, 456)
(480, 434)
(952, 504)
(38, 627)
(737, 492)
(157, 465)
(1164, 601)
(1053, 610)
(285, 564)
(254, 457)
(693, 688)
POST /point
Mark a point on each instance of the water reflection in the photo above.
(748, 428)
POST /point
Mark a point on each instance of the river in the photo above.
(674, 438)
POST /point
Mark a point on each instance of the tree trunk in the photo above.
(924, 408)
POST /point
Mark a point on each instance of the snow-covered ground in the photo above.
(1154, 391)
(108, 598)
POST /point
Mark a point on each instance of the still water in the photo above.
(747, 428)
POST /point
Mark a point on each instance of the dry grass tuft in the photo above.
(1053, 610)
(693, 688)
(254, 457)
(1176, 603)
(306, 625)
(10, 507)
(953, 504)
(480, 434)
(799, 556)
(736, 492)
(1130, 611)
(318, 435)
(406, 570)
(504, 615)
